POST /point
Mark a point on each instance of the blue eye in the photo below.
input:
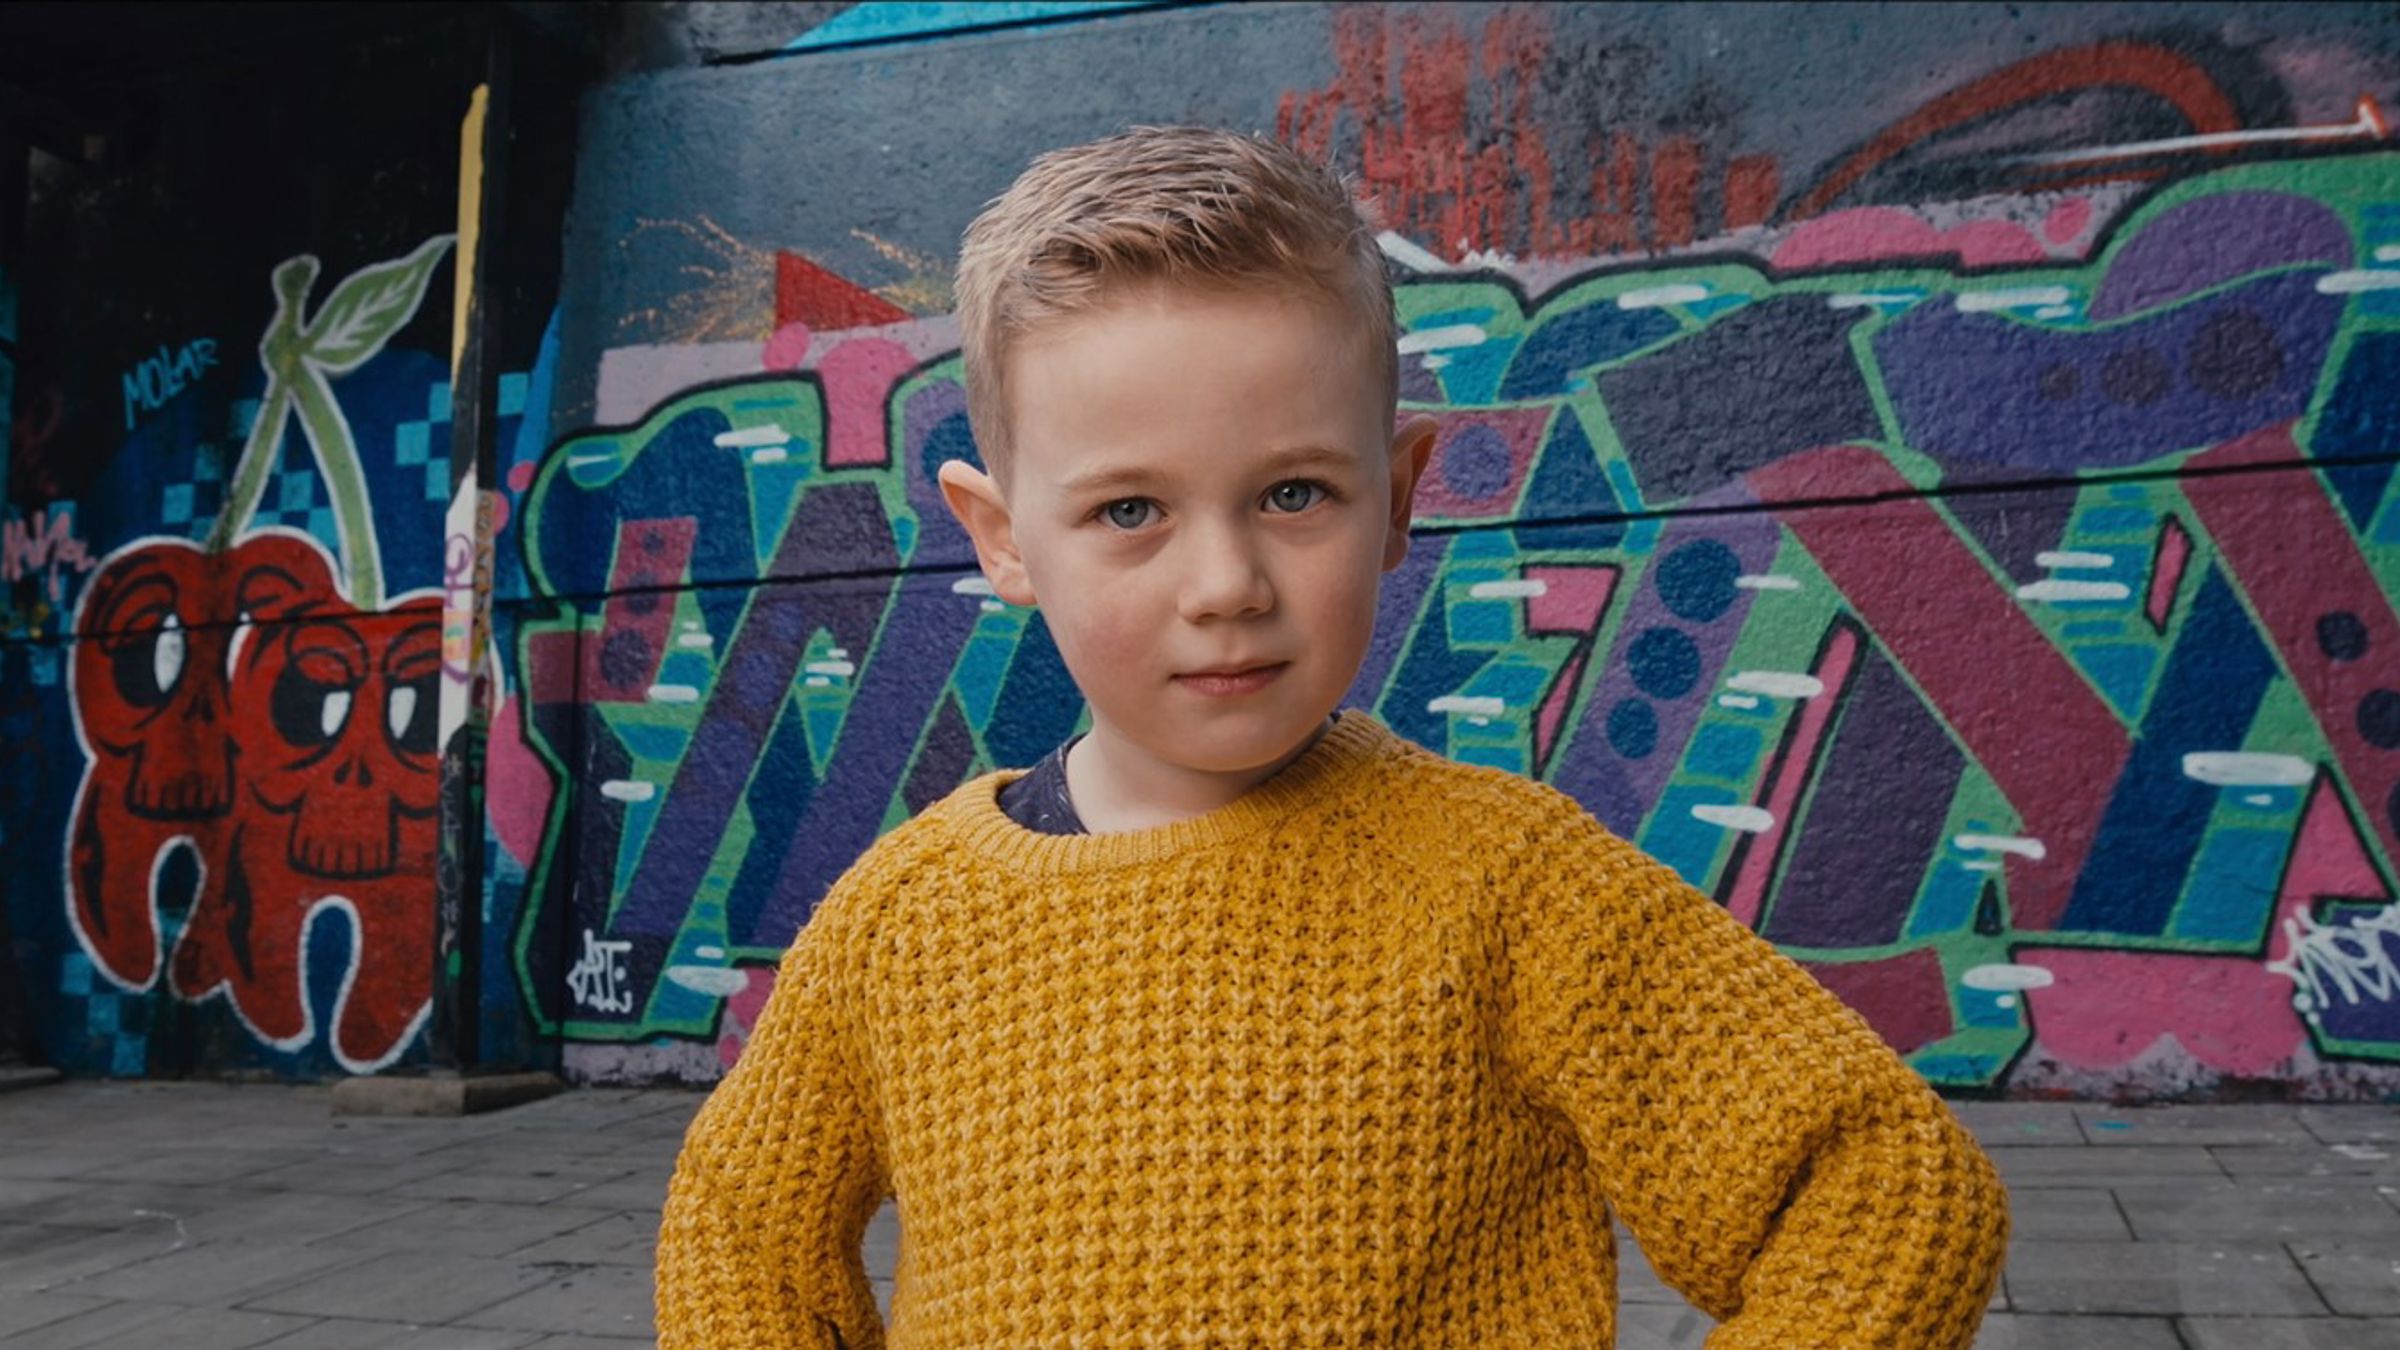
(1296, 496)
(1119, 515)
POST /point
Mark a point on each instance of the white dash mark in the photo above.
(1777, 684)
(1471, 707)
(627, 790)
(712, 980)
(1981, 865)
(2258, 799)
(1747, 819)
(1869, 299)
(2004, 1001)
(1736, 701)
(2239, 768)
(2024, 297)
(750, 437)
(993, 607)
(695, 640)
(709, 953)
(1433, 361)
(2053, 311)
(830, 668)
(2387, 253)
(2018, 844)
(674, 693)
(1651, 297)
(2361, 1152)
(771, 455)
(579, 461)
(1409, 253)
(971, 586)
(1435, 339)
(1507, 590)
(838, 653)
(1770, 582)
(2054, 590)
(691, 625)
(817, 682)
(2351, 283)
(1996, 977)
(2067, 559)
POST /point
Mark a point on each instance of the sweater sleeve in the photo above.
(759, 1244)
(1776, 1161)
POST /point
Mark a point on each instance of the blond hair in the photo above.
(1180, 205)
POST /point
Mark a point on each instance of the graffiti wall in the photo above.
(1929, 477)
(1931, 483)
(223, 554)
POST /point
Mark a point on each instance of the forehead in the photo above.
(1184, 380)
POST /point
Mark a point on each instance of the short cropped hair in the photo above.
(1179, 205)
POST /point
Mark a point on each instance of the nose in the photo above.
(1224, 575)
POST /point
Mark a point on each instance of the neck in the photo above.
(1117, 786)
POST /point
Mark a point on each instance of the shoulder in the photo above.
(1495, 809)
(865, 897)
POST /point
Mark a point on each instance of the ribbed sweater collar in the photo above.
(1342, 760)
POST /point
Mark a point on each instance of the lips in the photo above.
(1228, 672)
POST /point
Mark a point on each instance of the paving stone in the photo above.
(421, 1287)
(107, 1324)
(591, 1301)
(2161, 1278)
(343, 1333)
(2065, 1214)
(882, 1243)
(2020, 1331)
(203, 1166)
(2352, 1124)
(469, 1228)
(514, 1146)
(589, 1343)
(177, 1329)
(1999, 1124)
(80, 1253)
(217, 1274)
(2266, 1211)
(625, 1239)
(2357, 1279)
(2029, 1167)
(2119, 1127)
(2280, 1333)
(295, 1216)
(21, 1312)
(2246, 1161)
(53, 1164)
(88, 1204)
(633, 1190)
(352, 1174)
(532, 1185)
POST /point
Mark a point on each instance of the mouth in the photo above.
(1233, 679)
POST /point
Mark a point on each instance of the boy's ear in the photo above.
(975, 499)
(1412, 448)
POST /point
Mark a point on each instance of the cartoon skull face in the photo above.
(338, 736)
(150, 672)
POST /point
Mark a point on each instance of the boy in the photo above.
(1239, 1022)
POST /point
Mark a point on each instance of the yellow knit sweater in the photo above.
(1365, 1058)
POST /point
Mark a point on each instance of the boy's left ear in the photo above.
(1412, 448)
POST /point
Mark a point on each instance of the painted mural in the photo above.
(1974, 569)
(1935, 488)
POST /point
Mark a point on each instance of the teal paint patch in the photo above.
(1952, 1068)
(658, 744)
(1482, 623)
(2231, 891)
(1472, 375)
(1723, 751)
(1947, 904)
(2116, 520)
(1683, 841)
(1983, 1008)
(2121, 670)
(890, 20)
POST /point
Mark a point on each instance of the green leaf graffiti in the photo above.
(360, 315)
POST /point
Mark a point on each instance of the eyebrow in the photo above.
(1294, 457)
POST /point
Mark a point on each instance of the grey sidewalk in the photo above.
(207, 1217)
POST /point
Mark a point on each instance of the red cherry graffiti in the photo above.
(239, 706)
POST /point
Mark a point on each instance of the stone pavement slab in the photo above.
(217, 1217)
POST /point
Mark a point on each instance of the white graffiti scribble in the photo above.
(2354, 958)
(599, 981)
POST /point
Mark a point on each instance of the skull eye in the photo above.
(309, 709)
(147, 665)
(409, 716)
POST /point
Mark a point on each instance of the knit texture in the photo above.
(1364, 1058)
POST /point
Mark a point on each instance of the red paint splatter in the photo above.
(2166, 572)
(825, 301)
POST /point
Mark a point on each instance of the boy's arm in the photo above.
(780, 1172)
(1776, 1160)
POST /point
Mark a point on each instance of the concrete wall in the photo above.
(1926, 474)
